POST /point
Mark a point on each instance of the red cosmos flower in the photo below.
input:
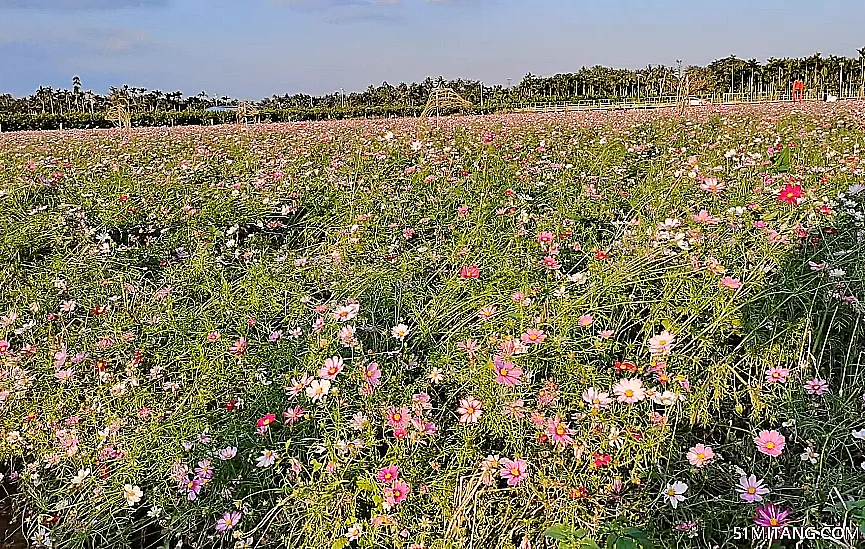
(601, 255)
(100, 365)
(625, 367)
(601, 460)
(231, 405)
(100, 309)
(790, 194)
(265, 421)
(470, 272)
(579, 492)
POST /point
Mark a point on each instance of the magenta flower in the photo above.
(228, 521)
(388, 474)
(192, 488)
(770, 443)
(771, 516)
(372, 374)
(585, 321)
(506, 373)
(816, 386)
(545, 238)
(397, 493)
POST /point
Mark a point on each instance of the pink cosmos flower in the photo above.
(559, 433)
(712, 185)
(239, 347)
(777, 374)
(485, 313)
(706, 218)
(398, 418)
(388, 474)
(293, 415)
(397, 493)
(506, 373)
(545, 238)
(228, 521)
(816, 386)
(514, 471)
(730, 283)
(551, 263)
(770, 443)
(751, 490)
(699, 456)
(585, 320)
(661, 344)
(470, 272)
(371, 374)
(533, 336)
(469, 410)
(332, 367)
(346, 312)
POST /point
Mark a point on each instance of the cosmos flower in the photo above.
(770, 443)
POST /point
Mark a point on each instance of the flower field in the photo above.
(507, 331)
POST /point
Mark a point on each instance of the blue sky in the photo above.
(256, 48)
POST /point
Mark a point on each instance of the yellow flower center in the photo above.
(770, 445)
(629, 393)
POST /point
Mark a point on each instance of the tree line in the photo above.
(837, 75)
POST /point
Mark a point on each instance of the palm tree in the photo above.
(76, 89)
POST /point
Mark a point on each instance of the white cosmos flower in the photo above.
(675, 493)
(400, 331)
(132, 494)
(318, 389)
(79, 478)
(266, 459)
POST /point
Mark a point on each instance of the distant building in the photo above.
(220, 109)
